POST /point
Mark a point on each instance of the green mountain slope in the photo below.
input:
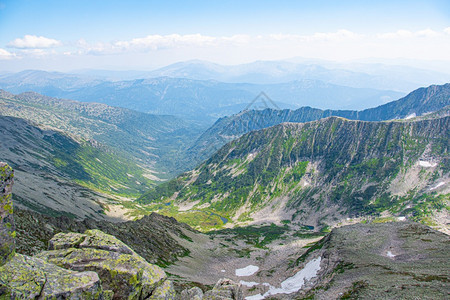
(418, 102)
(58, 175)
(317, 173)
(149, 140)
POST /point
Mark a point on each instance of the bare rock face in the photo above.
(120, 269)
(7, 232)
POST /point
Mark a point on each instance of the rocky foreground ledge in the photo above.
(90, 265)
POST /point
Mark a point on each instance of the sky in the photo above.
(143, 35)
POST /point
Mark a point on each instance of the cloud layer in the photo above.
(33, 42)
(338, 45)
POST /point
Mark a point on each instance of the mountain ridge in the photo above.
(339, 168)
(225, 129)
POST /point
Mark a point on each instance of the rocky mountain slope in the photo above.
(317, 173)
(58, 175)
(378, 261)
(200, 100)
(416, 103)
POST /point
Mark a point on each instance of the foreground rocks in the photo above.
(24, 277)
(120, 269)
(7, 233)
(27, 277)
(89, 265)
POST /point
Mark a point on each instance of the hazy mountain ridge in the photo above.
(319, 172)
(201, 100)
(416, 103)
(357, 75)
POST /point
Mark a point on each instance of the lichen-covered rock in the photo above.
(194, 293)
(7, 231)
(165, 291)
(119, 268)
(225, 289)
(26, 277)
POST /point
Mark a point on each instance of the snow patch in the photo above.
(389, 254)
(413, 115)
(247, 271)
(294, 283)
(427, 164)
(248, 283)
(437, 185)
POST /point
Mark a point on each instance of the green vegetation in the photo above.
(256, 236)
(96, 167)
(334, 162)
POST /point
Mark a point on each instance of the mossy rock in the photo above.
(30, 277)
(119, 268)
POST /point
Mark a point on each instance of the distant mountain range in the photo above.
(416, 103)
(357, 75)
(351, 74)
(199, 100)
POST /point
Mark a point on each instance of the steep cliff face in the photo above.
(320, 172)
(417, 103)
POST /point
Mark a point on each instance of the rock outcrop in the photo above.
(118, 266)
(22, 276)
(194, 293)
(93, 265)
(27, 277)
(225, 289)
(89, 265)
(7, 233)
(398, 260)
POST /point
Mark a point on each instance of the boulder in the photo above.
(25, 277)
(194, 293)
(225, 289)
(119, 267)
(7, 232)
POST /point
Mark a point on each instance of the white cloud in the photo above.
(404, 34)
(337, 36)
(33, 42)
(427, 33)
(159, 42)
(447, 30)
(5, 54)
(394, 35)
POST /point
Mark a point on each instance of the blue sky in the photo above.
(131, 34)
